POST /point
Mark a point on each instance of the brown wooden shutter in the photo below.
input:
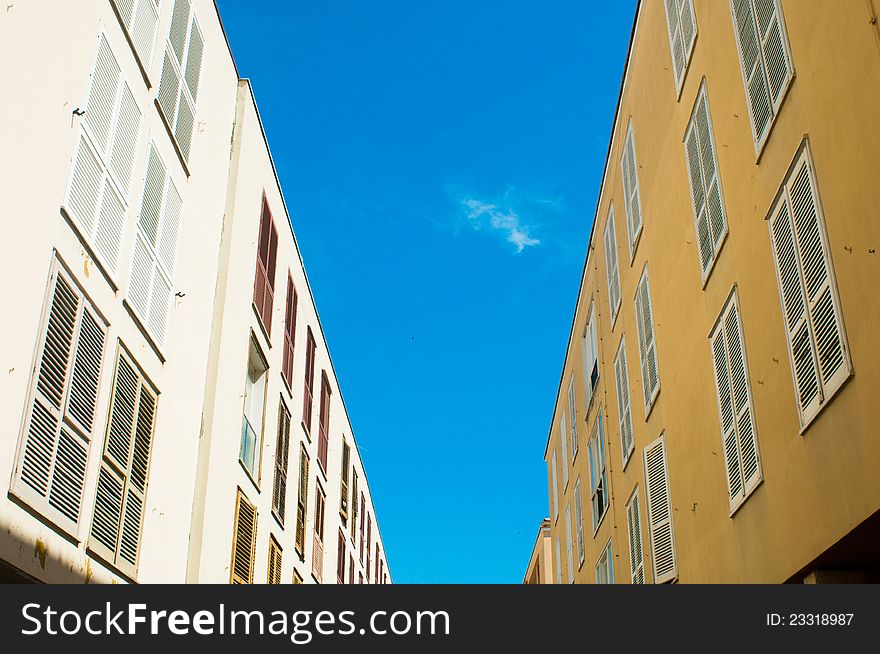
(297, 578)
(340, 558)
(302, 501)
(343, 490)
(369, 540)
(282, 447)
(244, 541)
(309, 383)
(354, 504)
(324, 424)
(363, 518)
(289, 333)
(351, 568)
(264, 280)
(274, 561)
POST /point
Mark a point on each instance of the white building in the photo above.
(133, 169)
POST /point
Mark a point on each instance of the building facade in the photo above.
(715, 419)
(127, 392)
(540, 568)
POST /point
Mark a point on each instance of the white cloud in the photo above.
(505, 221)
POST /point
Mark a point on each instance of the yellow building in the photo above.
(540, 568)
(717, 414)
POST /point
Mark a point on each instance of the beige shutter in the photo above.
(563, 437)
(631, 197)
(811, 308)
(579, 520)
(647, 345)
(282, 447)
(634, 530)
(120, 496)
(343, 484)
(274, 576)
(555, 496)
(568, 544)
(572, 412)
(624, 410)
(60, 419)
(244, 541)
(318, 540)
(739, 439)
(302, 501)
(611, 265)
(660, 512)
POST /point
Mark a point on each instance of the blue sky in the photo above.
(441, 162)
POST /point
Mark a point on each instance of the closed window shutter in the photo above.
(264, 278)
(660, 512)
(599, 492)
(814, 324)
(141, 18)
(647, 345)
(558, 563)
(289, 333)
(309, 383)
(682, 35)
(318, 539)
(590, 356)
(611, 266)
(555, 496)
(624, 410)
(297, 578)
(354, 505)
(97, 196)
(181, 72)
(739, 439)
(151, 285)
(572, 411)
(631, 197)
(274, 576)
(634, 530)
(324, 422)
(340, 558)
(282, 447)
(369, 542)
(302, 501)
(60, 419)
(343, 484)
(702, 162)
(766, 63)
(579, 520)
(244, 541)
(563, 437)
(568, 544)
(120, 496)
(605, 566)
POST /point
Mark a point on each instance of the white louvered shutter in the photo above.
(660, 512)
(765, 60)
(611, 265)
(572, 411)
(634, 530)
(647, 345)
(558, 563)
(120, 496)
(701, 156)
(141, 18)
(555, 497)
(579, 520)
(100, 181)
(60, 419)
(738, 434)
(151, 289)
(624, 410)
(631, 198)
(568, 544)
(814, 326)
(682, 34)
(563, 437)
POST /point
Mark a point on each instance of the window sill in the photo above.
(172, 137)
(134, 51)
(627, 457)
(650, 406)
(636, 241)
(263, 330)
(278, 518)
(741, 502)
(108, 276)
(806, 424)
(144, 331)
(250, 475)
(687, 67)
(762, 144)
(715, 255)
(306, 431)
(601, 520)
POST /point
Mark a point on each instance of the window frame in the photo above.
(598, 466)
(688, 49)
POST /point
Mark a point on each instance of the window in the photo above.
(309, 383)
(590, 353)
(599, 491)
(354, 504)
(647, 346)
(558, 563)
(605, 566)
(624, 410)
(254, 402)
(282, 447)
(302, 501)
(340, 557)
(264, 278)
(97, 198)
(706, 200)
(738, 438)
(682, 36)
(363, 520)
(631, 198)
(59, 423)
(289, 334)
(579, 520)
(181, 69)
(244, 543)
(141, 18)
(343, 483)
(297, 578)
(660, 512)
(572, 428)
(324, 422)
(369, 541)
(612, 267)
(351, 568)
(318, 545)
(554, 496)
(568, 544)
(377, 578)
(764, 60)
(811, 307)
(634, 530)
(121, 491)
(151, 283)
(274, 576)
(563, 437)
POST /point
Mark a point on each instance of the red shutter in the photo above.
(324, 425)
(289, 331)
(264, 279)
(309, 381)
(351, 568)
